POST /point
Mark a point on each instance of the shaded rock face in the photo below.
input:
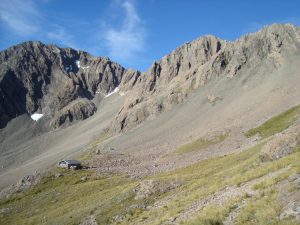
(169, 81)
(46, 79)
(79, 109)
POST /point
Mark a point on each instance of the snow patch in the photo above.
(77, 63)
(111, 93)
(36, 116)
(79, 66)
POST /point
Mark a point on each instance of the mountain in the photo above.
(59, 83)
(63, 84)
(169, 81)
(209, 134)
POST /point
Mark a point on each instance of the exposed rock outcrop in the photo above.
(46, 79)
(35, 77)
(91, 220)
(149, 187)
(290, 198)
(23, 184)
(78, 109)
(169, 81)
(279, 146)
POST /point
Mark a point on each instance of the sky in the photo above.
(136, 33)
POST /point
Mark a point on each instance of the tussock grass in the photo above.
(68, 199)
(213, 214)
(275, 124)
(200, 144)
(263, 210)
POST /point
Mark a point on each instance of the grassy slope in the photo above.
(68, 199)
(275, 124)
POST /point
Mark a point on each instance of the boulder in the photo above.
(91, 220)
(148, 187)
(23, 184)
(279, 146)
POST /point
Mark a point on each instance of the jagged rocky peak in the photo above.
(185, 58)
(62, 82)
(286, 33)
(271, 43)
(169, 81)
(35, 77)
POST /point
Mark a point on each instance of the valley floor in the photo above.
(247, 187)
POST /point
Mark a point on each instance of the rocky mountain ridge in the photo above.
(57, 82)
(169, 81)
(62, 83)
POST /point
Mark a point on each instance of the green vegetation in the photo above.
(265, 208)
(69, 199)
(276, 124)
(210, 176)
(214, 215)
(200, 144)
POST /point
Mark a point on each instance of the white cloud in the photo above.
(21, 16)
(24, 18)
(124, 42)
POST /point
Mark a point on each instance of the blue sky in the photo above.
(135, 33)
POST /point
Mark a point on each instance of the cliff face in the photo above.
(169, 81)
(57, 82)
(61, 83)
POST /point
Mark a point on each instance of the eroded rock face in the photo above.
(45, 79)
(79, 109)
(35, 77)
(169, 81)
